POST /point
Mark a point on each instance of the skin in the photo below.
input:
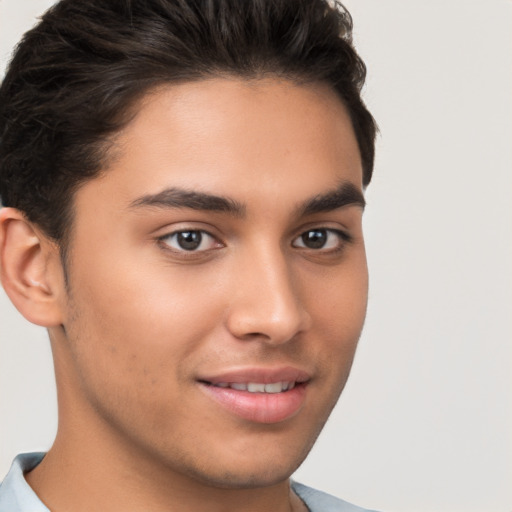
(141, 319)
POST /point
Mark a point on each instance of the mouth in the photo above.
(257, 387)
(258, 395)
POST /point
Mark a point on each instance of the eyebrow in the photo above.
(182, 198)
(347, 194)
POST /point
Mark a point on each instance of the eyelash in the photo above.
(163, 240)
(342, 236)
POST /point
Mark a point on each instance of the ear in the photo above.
(30, 269)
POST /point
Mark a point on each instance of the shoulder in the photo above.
(15, 494)
(318, 501)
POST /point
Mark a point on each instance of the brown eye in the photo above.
(314, 239)
(190, 241)
(321, 238)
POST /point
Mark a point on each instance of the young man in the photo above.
(182, 183)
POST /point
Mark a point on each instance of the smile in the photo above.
(258, 387)
(258, 395)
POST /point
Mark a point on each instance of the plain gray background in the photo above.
(425, 423)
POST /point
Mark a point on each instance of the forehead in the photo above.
(234, 137)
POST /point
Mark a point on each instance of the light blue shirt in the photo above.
(17, 496)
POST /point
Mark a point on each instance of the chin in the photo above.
(247, 479)
(251, 469)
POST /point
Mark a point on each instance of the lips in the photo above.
(258, 395)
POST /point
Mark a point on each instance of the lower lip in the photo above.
(259, 407)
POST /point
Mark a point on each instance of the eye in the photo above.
(192, 240)
(322, 238)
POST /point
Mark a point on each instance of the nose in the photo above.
(265, 302)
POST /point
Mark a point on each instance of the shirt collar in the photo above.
(15, 493)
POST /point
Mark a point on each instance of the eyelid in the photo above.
(342, 235)
(161, 239)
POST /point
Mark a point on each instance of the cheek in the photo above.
(144, 295)
(339, 298)
(137, 323)
(338, 311)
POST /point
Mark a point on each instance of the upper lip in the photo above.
(258, 374)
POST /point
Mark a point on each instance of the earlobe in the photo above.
(29, 269)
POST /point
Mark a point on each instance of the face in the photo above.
(217, 280)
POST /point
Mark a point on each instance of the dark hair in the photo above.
(75, 77)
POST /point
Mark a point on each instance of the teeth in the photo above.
(276, 387)
(253, 387)
(258, 387)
